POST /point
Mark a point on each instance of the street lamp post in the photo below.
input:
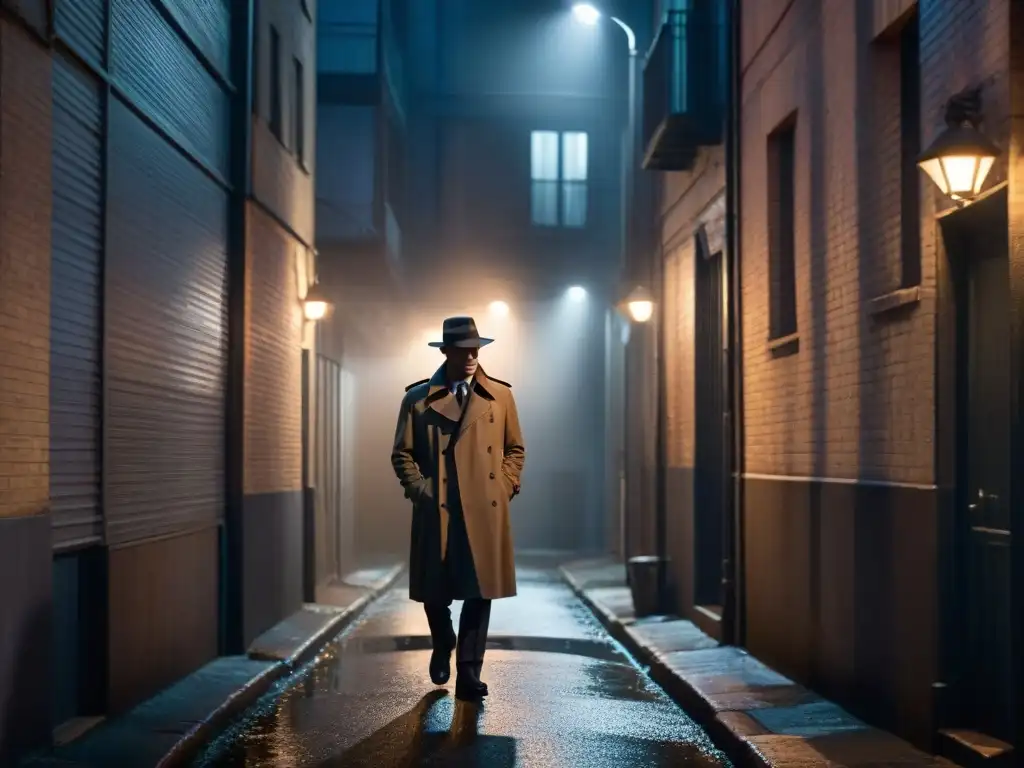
(588, 14)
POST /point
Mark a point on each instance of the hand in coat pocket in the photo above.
(421, 491)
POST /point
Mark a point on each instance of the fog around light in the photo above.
(586, 13)
(498, 309)
(577, 293)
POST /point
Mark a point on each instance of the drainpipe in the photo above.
(733, 613)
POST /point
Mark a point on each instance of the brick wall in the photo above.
(849, 403)
(273, 360)
(686, 203)
(24, 272)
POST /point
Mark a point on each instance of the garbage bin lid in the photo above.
(646, 559)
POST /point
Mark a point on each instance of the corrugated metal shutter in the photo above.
(327, 468)
(75, 329)
(166, 337)
(156, 68)
(208, 24)
(83, 25)
(334, 469)
(273, 368)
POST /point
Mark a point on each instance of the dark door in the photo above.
(985, 511)
(709, 369)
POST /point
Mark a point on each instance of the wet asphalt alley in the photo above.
(563, 694)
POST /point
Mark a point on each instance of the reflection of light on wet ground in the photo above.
(364, 705)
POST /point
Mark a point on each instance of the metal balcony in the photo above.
(684, 87)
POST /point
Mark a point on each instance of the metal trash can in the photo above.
(646, 575)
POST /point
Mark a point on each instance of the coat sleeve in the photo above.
(515, 446)
(403, 457)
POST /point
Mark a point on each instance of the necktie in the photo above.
(461, 390)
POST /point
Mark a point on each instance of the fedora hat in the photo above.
(460, 332)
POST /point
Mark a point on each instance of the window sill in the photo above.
(895, 303)
(784, 346)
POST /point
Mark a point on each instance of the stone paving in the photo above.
(758, 716)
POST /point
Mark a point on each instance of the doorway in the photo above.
(978, 241)
(709, 410)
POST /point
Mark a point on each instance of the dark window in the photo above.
(781, 236)
(256, 50)
(276, 103)
(910, 148)
(300, 112)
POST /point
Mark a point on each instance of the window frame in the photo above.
(560, 184)
(299, 109)
(782, 279)
(275, 119)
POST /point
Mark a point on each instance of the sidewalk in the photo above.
(170, 728)
(756, 715)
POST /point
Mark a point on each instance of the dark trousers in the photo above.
(473, 624)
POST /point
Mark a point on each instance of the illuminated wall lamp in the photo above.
(961, 156)
(639, 305)
(316, 305)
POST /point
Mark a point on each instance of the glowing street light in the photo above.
(576, 293)
(960, 157)
(640, 305)
(586, 13)
(316, 305)
(499, 309)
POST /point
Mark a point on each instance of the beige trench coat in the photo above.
(489, 456)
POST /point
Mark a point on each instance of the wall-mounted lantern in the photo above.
(961, 156)
(639, 304)
(316, 305)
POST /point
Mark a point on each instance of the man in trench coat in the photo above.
(459, 454)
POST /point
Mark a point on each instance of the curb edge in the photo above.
(192, 742)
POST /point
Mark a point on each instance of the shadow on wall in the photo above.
(26, 723)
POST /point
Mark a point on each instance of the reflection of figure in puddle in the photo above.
(459, 453)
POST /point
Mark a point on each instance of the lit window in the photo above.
(558, 171)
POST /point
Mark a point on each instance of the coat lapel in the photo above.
(479, 402)
(440, 399)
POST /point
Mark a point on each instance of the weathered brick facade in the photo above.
(848, 403)
(842, 517)
(24, 273)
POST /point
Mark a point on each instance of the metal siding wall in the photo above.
(273, 376)
(156, 68)
(83, 24)
(166, 337)
(208, 25)
(75, 328)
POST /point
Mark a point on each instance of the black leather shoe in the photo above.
(468, 686)
(441, 661)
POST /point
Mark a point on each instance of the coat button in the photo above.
(488, 449)
(494, 503)
(444, 506)
(444, 479)
(492, 475)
